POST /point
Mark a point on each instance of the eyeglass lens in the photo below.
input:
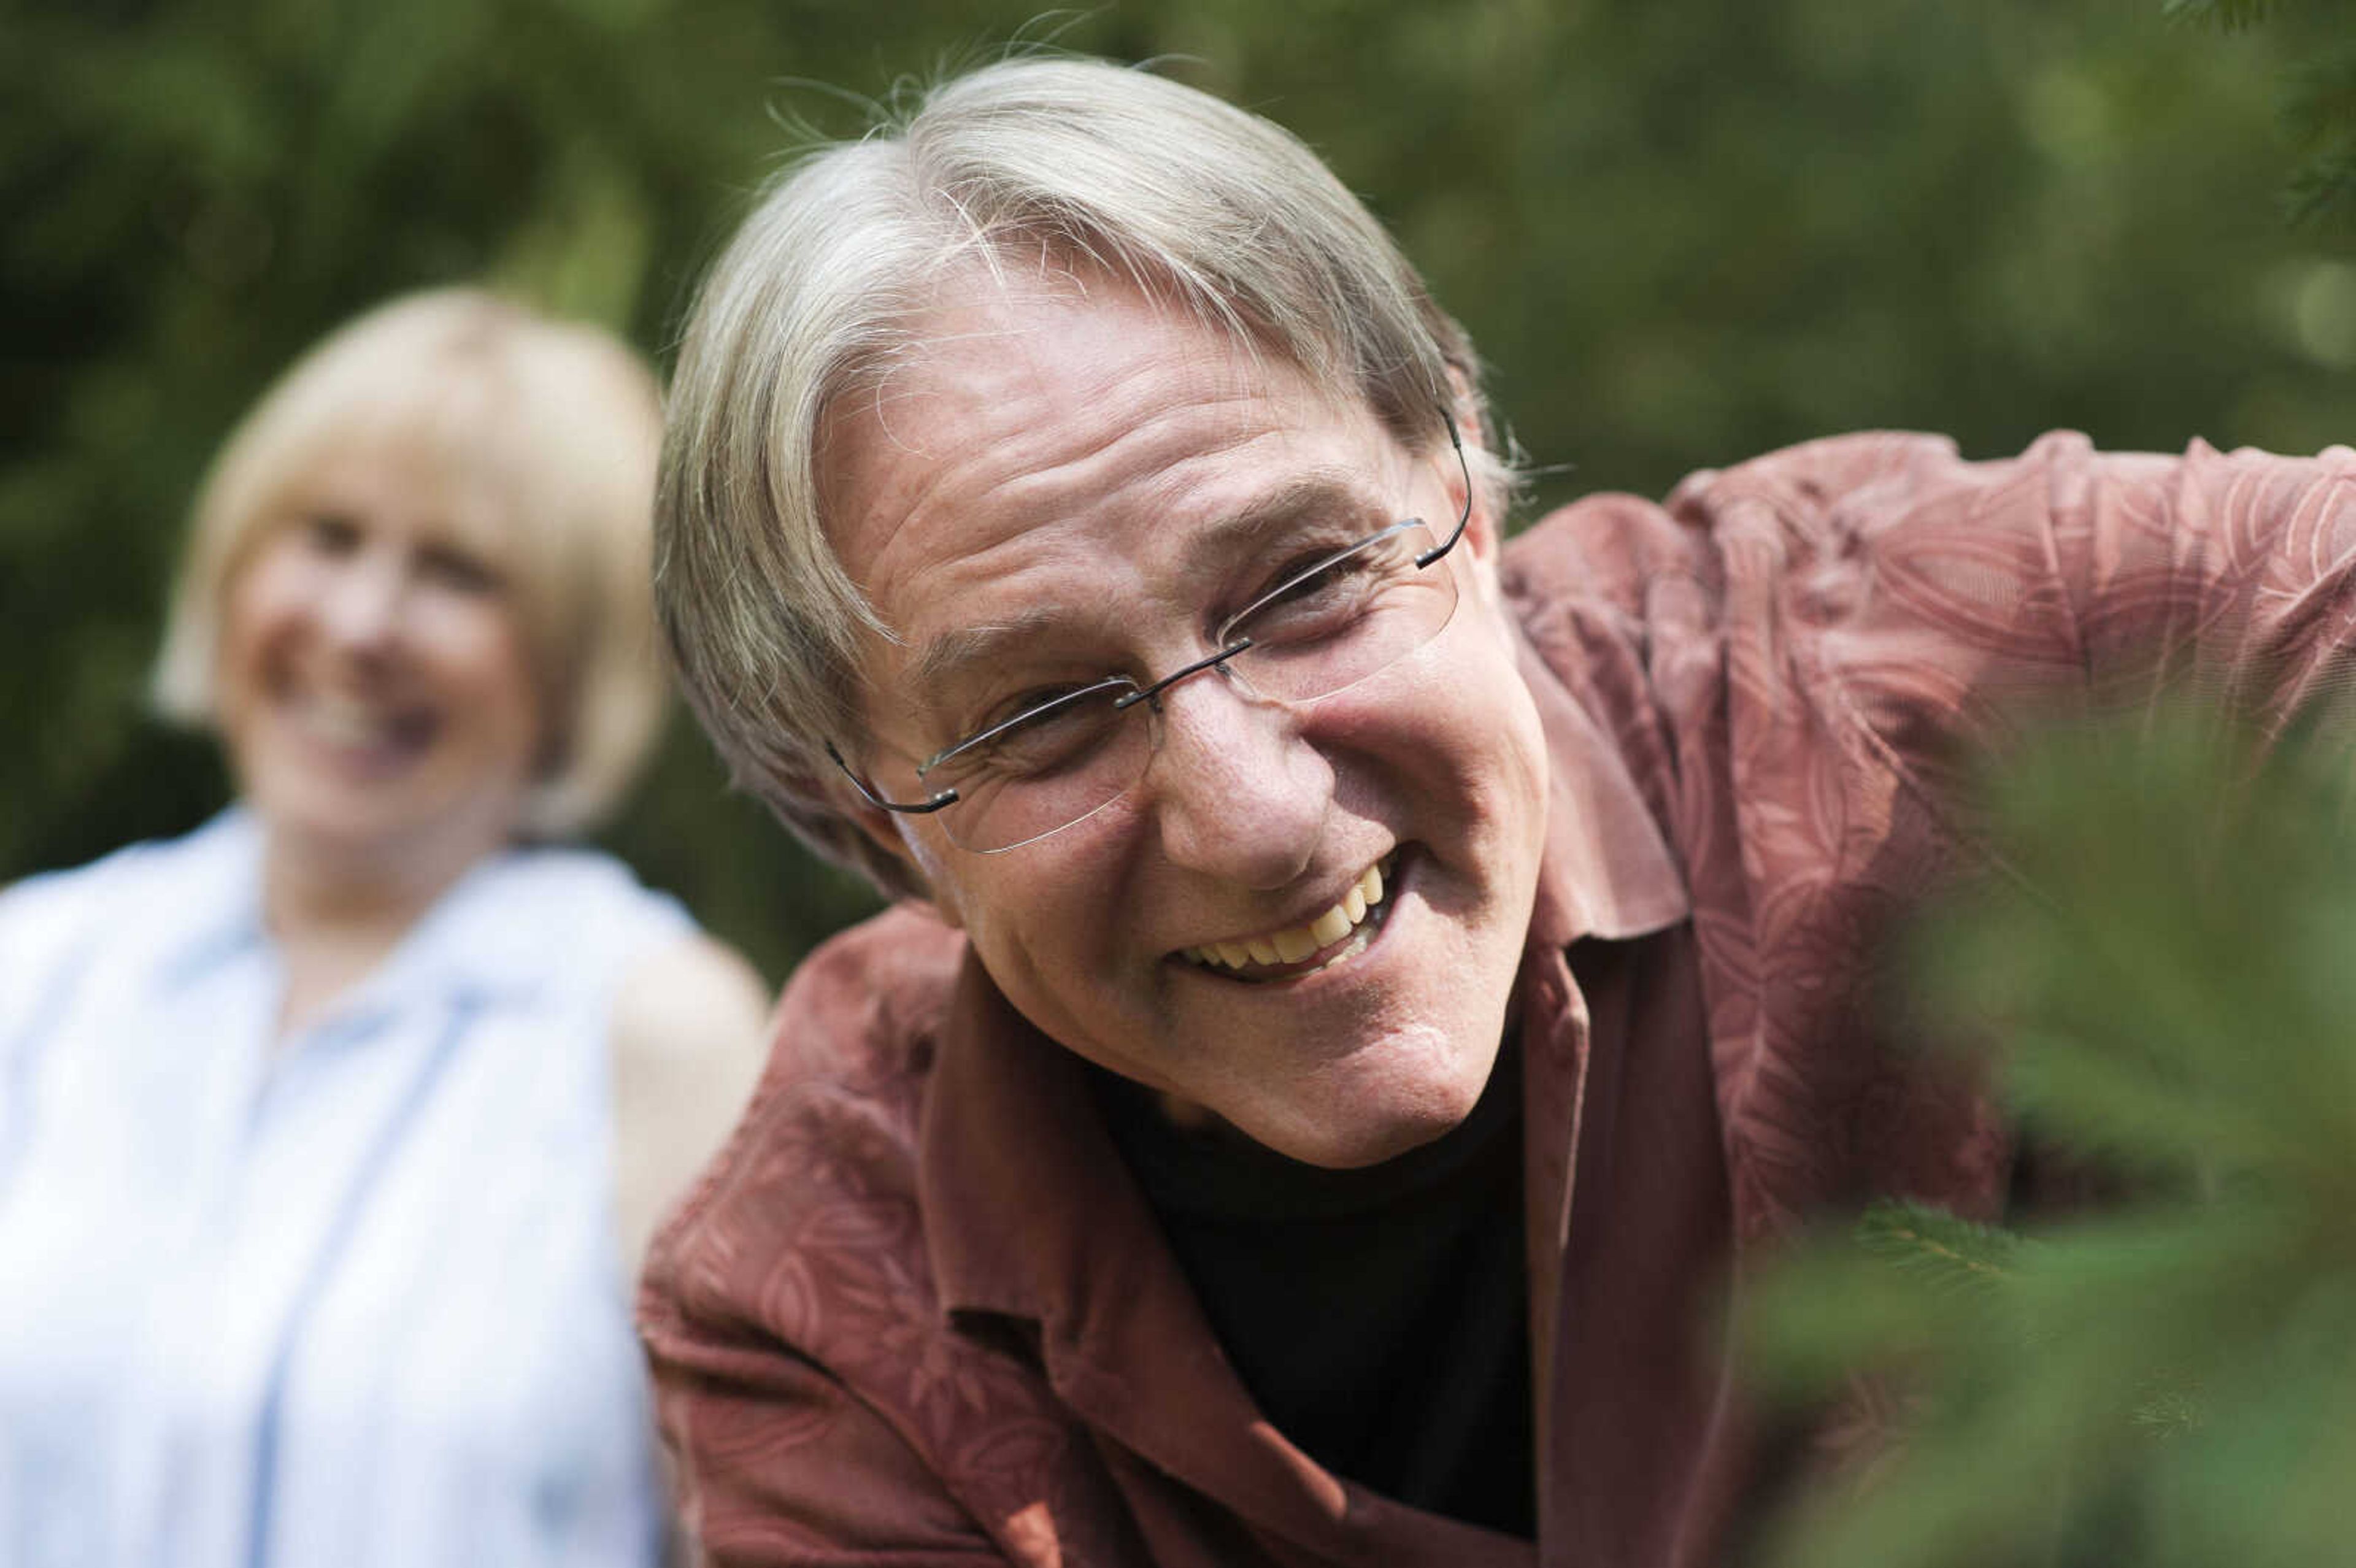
(1316, 634)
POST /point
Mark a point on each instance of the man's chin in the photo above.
(1315, 1135)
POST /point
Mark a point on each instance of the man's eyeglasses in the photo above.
(1322, 628)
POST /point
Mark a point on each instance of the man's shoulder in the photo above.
(803, 1365)
(866, 1005)
(1610, 547)
(1601, 549)
(1830, 468)
(820, 1173)
(1778, 551)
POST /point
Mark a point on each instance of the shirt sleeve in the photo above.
(2229, 576)
(1894, 593)
(47, 927)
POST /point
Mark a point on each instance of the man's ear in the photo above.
(1483, 530)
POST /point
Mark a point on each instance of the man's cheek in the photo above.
(949, 900)
(1487, 603)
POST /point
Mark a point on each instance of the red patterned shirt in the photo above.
(917, 1314)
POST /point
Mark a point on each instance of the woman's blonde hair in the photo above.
(1210, 210)
(540, 441)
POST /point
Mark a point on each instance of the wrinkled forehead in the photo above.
(1081, 405)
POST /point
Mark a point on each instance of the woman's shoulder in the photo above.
(135, 912)
(556, 911)
(139, 890)
(581, 887)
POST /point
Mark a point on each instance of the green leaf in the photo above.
(1945, 1252)
(2172, 1382)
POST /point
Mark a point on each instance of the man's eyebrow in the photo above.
(1329, 491)
(952, 652)
(1316, 492)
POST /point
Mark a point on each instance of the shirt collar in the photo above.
(478, 939)
(214, 896)
(471, 940)
(1007, 1117)
(1606, 870)
(1029, 1212)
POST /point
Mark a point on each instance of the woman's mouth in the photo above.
(360, 733)
(1339, 935)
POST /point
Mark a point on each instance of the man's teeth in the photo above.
(1296, 943)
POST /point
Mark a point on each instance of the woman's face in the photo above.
(376, 694)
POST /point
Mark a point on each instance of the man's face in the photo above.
(1048, 491)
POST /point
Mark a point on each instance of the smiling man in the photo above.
(1064, 483)
(1364, 990)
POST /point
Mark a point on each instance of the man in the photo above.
(1366, 989)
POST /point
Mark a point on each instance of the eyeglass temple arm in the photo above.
(1464, 466)
(906, 808)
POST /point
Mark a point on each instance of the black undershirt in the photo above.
(1380, 1316)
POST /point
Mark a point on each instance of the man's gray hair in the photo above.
(1205, 208)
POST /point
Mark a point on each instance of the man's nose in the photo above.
(1236, 793)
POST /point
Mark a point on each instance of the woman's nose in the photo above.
(360, 602)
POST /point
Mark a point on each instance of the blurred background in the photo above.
(1681, 234)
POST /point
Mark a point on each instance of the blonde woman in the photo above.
(330, 1134)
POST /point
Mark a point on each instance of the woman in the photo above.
(329, 1134)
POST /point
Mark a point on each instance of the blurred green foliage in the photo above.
(2162, 955)
(1682, 234)
(2318, 108)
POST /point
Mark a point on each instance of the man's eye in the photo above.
(1305, 583)
(1041, 731)
(1032, 702)
(1314, 597)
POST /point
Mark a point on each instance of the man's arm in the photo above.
(780, 1466)
(1935, 593)
(1806, 659)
